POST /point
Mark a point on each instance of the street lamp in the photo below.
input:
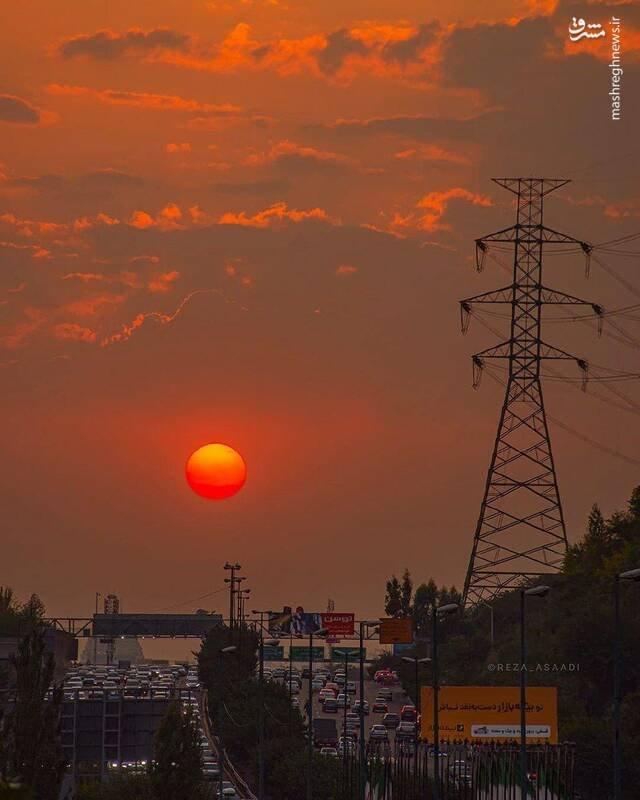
(364, 623)
(417, 662)
(534, 591)
(269, 643)
(629, 575)
(320, 632)
(95, 641)
(223, 651)
(438, 611)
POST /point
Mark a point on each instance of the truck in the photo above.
(325, 732)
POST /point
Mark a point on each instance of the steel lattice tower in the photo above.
(521, 531)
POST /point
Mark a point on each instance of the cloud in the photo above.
(157, 102)
(435, 206)
(431, 152)
(164, 281)
(339, 46)
(108, 45)
(409, 49)
(178, 147)
(275, 215)
(17, 111)
(73, 331)
(289, 154)
(168, 218)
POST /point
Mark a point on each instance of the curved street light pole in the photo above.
(630, 575)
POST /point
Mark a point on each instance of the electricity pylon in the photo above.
(521, 531)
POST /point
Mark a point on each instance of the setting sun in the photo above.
(216, 471)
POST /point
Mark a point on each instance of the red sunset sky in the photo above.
(250, 221)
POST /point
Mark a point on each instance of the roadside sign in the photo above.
(302, 653)
(396, 630)
(485, 713)
(399, 649)
(337, 653)
(273, 652)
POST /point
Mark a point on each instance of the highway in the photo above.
(371, 689)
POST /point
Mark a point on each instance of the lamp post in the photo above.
(438, 611)
(320, 632)
(491, 628)
(417, 662)
(344, 653)
(95, 641)
(270, 643)
(535, 591)
(224, 651)
(630, 575)
(365, 623)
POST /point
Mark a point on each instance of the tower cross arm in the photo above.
(554, 297)
(503, 295)
(551, 236)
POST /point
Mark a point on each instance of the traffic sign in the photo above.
(396, 630)
(302, 653)
(273, 652)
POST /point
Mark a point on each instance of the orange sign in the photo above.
(396, 630)
(491, 713)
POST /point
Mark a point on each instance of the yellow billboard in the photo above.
(491, 713)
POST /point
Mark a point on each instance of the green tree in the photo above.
(393, 597)
(406, 593)
(31, 749)
(176, 771)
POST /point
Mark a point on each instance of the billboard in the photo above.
(302, 653)
(338, 624)
(295, 621)
(396, 630)
(486, 713)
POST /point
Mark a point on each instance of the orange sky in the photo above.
(250, 221)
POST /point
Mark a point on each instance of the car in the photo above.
(329, 751)
(330, 705)
(293, 688)
(406, 730)
(228, 789)
(408, 713)
(353, 719)
(378, 733)
(343, 700)
(364, 704)
(326, 694)
(317, 684)
(295, 702)
(351, 687)
(391, 720)
(380, 707)
(210, 770)
(333, 686)
(385, 693)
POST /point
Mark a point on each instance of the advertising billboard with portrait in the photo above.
(295, 621)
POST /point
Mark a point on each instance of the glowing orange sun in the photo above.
(216, 471)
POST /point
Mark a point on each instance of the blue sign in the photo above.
(399, 649)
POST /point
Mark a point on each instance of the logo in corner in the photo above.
(579, 29)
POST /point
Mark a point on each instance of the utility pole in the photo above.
(520, 532)
(233, 568)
